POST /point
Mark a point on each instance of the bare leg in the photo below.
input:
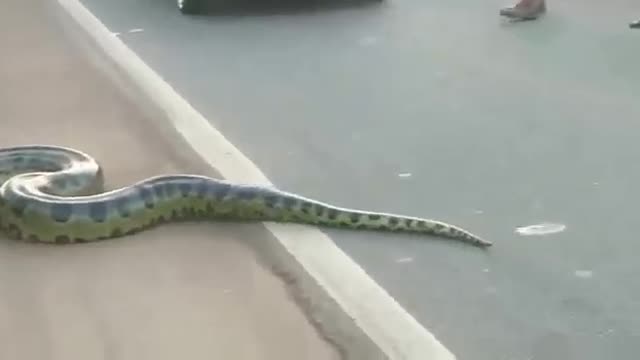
(525, 10)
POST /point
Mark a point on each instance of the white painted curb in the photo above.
(395, 333)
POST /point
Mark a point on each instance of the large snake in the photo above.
(55, 194)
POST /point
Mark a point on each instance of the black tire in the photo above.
(190, 7)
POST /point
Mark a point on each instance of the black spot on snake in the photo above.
(73, 182)
(374, 217)
(14, 232)
(98, 211)
(318, 209)
(59, 183)
(270, 201)
(184, 189)
(209, 208)
(354, 218)
(393, 221)
(220, 190)
(132, 231)
(186, 212)
(201, 189)
(62, 239)
(246, 194)
(408, 222)
(169, 189)
(439, 227)
(159, 191)
(61, 212)
(306, 207)
(289, 203)
(122, 205)
(35, 163)
(147, 196)
(332, 214)
(259, 214)
(17, 160)
(18, 205)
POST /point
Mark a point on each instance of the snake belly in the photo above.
(56, 195)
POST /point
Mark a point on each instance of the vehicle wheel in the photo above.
(190, 6)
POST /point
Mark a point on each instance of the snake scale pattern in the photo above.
(55, 194)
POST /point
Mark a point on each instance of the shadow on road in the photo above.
(279, 7)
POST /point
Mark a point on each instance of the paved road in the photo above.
(499, 126)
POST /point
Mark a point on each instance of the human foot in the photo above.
(525, 10)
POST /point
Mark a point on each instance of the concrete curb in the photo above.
(350, 309)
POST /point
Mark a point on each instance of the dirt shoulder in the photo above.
(176, 292)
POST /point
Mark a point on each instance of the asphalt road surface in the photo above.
(440, 109)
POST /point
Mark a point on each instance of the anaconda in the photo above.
(55, 194)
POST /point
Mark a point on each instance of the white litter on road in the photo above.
(583, 274)
(540, 229)
(404, 260)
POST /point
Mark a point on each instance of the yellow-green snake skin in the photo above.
(55, 194)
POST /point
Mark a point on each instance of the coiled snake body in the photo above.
(55, 194)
